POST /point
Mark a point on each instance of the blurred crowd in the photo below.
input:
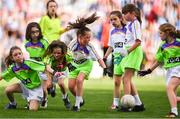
(16, 14)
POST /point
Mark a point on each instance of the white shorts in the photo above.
(32, 94)
(172, 72)
(43, 76)
(56, 78)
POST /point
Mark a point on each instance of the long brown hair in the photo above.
(169, 29)
(55, 44)
(9, 59)
(28, 31)
(81, 23)
(132, 8)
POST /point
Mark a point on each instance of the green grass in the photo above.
(98, 98)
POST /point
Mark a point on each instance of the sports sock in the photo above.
(137, 100)
(116, 101)
(64, 96)
(78, 100)
(174, 110)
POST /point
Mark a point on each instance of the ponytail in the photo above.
(81, 23)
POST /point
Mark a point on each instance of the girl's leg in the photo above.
(79, 91)
(178, 99)
(129, 88)
(128, 74)
(117, 83)
(72, 86)
(33, 105)
(64, 93)
(10, 90)
(62, 86)
(171, 89)
(44, 101)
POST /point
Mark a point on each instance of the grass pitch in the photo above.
(98, 95)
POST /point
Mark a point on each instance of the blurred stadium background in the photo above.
(16, 14)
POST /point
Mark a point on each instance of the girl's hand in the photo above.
(57, 74)
(102, 64)
(144, 72)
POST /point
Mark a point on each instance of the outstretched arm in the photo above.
(101, 62)
(148, 71)
(109, 50)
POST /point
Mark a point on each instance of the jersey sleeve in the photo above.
(34, 65)
(69, 58)
(110, 43)
(93, 52)
(45, 43)
(136, 30)
(159, 55)
(8, 74)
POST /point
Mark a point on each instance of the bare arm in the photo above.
(135, 45)
(101, 62)
(155, 65)
(109, 50)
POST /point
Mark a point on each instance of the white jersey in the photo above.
(133, 32)
(117, 39)
(79, 53)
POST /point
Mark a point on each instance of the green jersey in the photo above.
(169, 54)
(27, 73)
(36, 50)
(51, 28)
(60, 66)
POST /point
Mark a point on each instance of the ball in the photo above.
(128, 101)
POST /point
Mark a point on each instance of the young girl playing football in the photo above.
(83, 53)
(168, 54)
(133, 52)
(116, 43)
(59, 60)
(27, 71)
(36, 46)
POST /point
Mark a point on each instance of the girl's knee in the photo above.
(33, 108)
(117, 83)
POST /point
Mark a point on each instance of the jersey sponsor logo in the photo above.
(174, 60)
(26, 81)
(118, 45)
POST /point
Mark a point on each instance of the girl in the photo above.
(59, 61)
(133, 52)
(168, 54)
(27, 72)
(83, 52)
(36, 45)
(116, 43)
(50, 23)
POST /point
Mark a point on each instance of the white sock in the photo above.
(13, 103)
(78, 100)
(137, 100)
(64, 96)
(116, 101)
(174, 110)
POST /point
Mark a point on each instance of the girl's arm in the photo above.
(134, 46)
(148, 71)
(109, 50)
(101, 62)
